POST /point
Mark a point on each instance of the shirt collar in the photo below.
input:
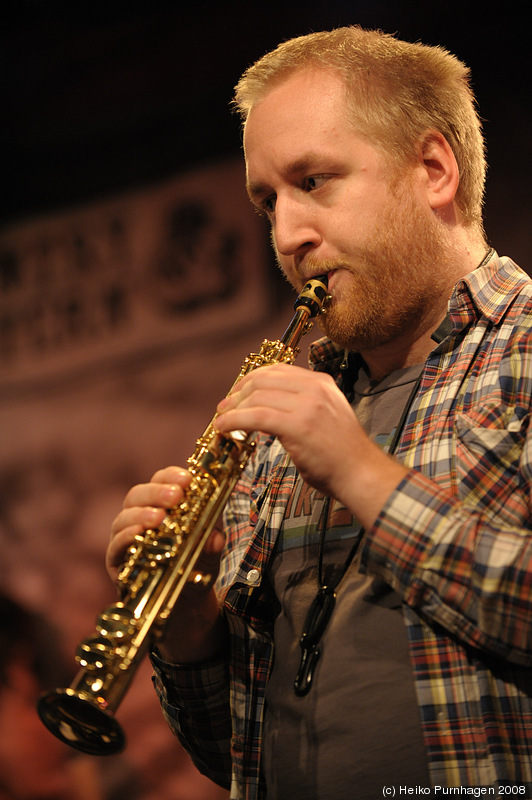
(487, 291)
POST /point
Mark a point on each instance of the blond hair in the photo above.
(396, 92)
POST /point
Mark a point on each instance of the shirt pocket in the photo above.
(489, 445)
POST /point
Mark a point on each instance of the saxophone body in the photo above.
(159, 565)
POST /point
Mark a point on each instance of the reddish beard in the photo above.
(395, 278)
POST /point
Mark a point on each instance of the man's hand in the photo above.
(313, 420)
(195, 630)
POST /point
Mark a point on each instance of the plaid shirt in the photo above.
(453, 539)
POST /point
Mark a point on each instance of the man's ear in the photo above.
(440, 170)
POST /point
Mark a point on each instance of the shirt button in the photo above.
(253, 576)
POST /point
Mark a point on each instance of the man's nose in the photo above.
(294, 228)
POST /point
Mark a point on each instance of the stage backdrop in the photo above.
(122, 323)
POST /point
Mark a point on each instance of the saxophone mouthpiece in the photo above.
(314, 295)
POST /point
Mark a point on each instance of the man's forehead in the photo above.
(306, 102)
(318, 84)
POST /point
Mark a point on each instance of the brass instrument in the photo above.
(158, 566)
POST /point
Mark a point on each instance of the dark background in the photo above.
(98, 98)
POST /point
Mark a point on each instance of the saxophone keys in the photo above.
(161, 549)
(116, 622)
(93, 654)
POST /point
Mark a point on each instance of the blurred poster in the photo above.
(121, 325)
(129, 277)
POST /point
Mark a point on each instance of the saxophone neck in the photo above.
(300, 324)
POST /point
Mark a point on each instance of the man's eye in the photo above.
(313, 182)
(268, 205)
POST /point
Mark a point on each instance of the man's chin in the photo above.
(352, 334)
(331, 328)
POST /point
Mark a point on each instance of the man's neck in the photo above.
(386, 359)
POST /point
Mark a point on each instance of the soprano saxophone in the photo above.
(158, 566)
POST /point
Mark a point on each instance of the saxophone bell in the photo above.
(79, 721)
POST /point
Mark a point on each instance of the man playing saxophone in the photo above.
(370, 625)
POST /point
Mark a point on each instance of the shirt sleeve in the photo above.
(455, 537)
(195, 703)
(462, 569)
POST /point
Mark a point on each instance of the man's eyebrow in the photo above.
(255, 190)
(310, 161)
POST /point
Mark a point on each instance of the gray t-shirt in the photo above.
(358, 728)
